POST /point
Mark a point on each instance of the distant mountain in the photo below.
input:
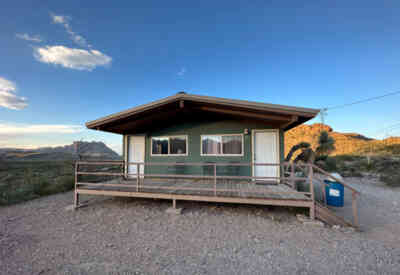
(86, 150)
(345, 143)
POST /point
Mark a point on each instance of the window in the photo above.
(219, 145)
(174, 145)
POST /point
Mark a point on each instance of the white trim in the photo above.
(222, 154)
(169, 155)
(253, 143)
(125, 143)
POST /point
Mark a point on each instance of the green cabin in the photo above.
(202, 131)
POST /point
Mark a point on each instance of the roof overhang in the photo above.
(185, 106)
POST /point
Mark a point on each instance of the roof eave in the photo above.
(299, 111)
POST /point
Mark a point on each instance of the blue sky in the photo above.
(66, 62)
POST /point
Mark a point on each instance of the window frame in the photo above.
(222, 153)
(169, 146)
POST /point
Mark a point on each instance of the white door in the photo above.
(136, 147)
(266, 150)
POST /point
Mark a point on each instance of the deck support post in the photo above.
(137, 177)
(310, 179)
(76, 195)
(76, 200)
(215, 179)
(354, 206)
(174, 203)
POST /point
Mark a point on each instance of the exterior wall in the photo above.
(194, 130)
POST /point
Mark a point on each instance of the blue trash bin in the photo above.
(334, 193)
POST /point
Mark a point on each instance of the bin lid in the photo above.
(336, 175)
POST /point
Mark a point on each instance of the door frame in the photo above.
(253, 132)
(126, 150)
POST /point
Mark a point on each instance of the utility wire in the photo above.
(388, 128)
(360, 101)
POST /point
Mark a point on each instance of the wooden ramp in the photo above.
(326, 215)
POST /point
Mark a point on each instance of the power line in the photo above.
(388, 128)
(361, 101)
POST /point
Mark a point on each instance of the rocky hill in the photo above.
(86, 150)
(346, 143)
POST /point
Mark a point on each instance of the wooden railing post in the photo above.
(76, 195)
(215, 179)
(137, 177)
(355, 210)
(323, 190)
(310, 179)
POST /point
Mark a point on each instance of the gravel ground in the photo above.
(137, 236)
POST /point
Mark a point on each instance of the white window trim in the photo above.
(169, 155)
(221, 155)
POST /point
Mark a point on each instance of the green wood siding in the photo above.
(194, 130)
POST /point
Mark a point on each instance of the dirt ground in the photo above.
(137, 236)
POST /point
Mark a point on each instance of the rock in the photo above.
(175, 211)
(302, 218)
(314, 223)
(349, 230)
(70, 207)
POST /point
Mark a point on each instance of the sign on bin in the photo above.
(334, 192)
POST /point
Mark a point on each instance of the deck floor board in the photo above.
(242, 189)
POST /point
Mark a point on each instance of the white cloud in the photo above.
(64, 21)
(77, 59)
(60, 19)
(27, 37)
(12, 129)
(30, 146)
(8, 99)
(182, 72)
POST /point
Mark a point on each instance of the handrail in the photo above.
(336, 179)
(100, 162)
(279, 179)
(214, 163)
(353, 195)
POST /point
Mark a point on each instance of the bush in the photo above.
(66, 183)
(330, 164)
(40, 187)
(392, 180)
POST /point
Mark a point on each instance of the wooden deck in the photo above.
(235, 192)
(281, 191)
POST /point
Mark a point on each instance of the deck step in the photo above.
(326, 215)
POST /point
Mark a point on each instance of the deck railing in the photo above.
(289, 174)
(354, 192)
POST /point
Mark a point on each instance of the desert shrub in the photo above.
(9, 194)
(41, 186)
(392, 180)
(66, 183)
(351, 172)
(330, 164)
(321, 158)
(343, 158)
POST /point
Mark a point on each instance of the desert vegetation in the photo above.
(351, 155)
(26, 180)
